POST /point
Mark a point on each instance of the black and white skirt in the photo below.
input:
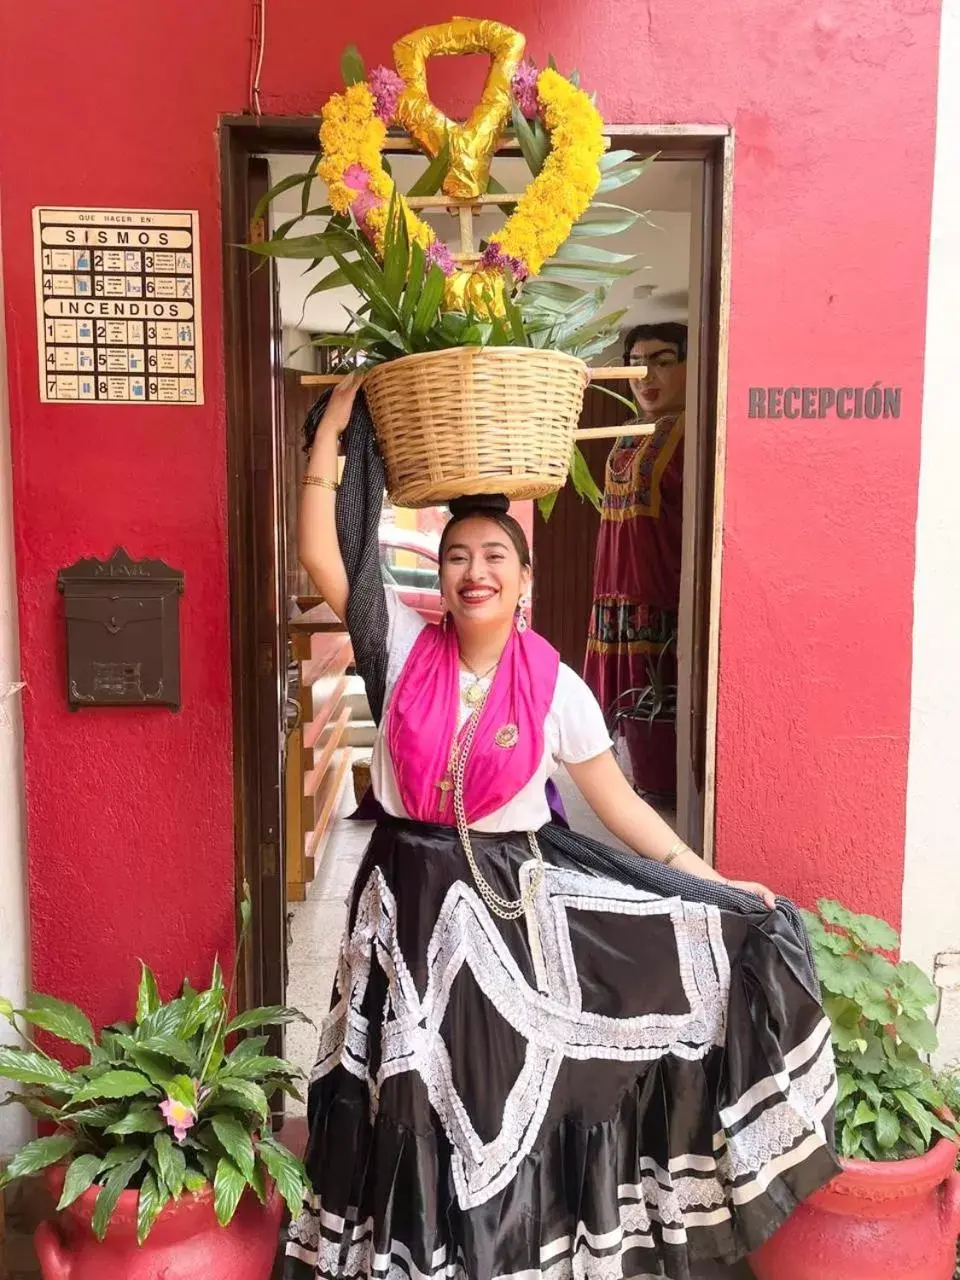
(627, 1079)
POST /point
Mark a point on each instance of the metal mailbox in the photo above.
(123, 632)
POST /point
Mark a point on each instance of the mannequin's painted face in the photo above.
(663, 389)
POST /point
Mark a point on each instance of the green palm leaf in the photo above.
(534, 145)
(431, 180)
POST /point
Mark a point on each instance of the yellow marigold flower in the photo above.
(381, 185)
(419, 231)
(562, 191)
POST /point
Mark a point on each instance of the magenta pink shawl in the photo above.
(422, 720)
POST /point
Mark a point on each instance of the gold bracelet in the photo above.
(678, 847)
(322, 482)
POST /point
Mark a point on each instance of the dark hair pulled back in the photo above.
(487, 506)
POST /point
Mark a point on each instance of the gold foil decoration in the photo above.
(474, 290)
(472, 144)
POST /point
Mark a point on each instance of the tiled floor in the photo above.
(316, 930)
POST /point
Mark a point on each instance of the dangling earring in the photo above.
(444, 615)
(521, 619)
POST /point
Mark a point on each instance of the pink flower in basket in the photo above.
(524, 86)
(494, 259)
(357, 178)
(438, 255)
(386, 87)
(362, 205)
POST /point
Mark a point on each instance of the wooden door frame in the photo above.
(258, 822)
(713, 146)
(244, 136)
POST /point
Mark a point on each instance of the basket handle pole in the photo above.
(615, 373)
(611, 433)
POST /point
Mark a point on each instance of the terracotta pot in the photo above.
(874, 1221)
(186, 1243)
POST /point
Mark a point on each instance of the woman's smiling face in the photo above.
(481, 576)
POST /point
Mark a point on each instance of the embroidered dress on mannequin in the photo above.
(634, 623)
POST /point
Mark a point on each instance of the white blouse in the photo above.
(574, 731)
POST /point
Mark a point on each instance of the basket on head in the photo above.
(476, 420)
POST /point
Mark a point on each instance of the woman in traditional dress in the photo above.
(543, 1058)
(636, 594)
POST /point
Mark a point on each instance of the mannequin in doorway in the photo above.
(636, 593)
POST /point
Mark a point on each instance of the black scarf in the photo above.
(359, 507)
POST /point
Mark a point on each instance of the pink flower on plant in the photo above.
(438, 255)
(386, 87)
(494, 259)
(524, 86)
(179, 1116)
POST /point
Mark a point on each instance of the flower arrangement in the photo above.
(567, 175)
(160, 1104)
(536, 282)
(889, 1104)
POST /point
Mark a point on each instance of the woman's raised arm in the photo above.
(317, 544)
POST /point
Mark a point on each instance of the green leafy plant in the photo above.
(161, 1103)
(948, 1082)
(656, 700)
(401, 308)
(889, 1104)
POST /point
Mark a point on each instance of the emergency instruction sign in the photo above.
(118, 306)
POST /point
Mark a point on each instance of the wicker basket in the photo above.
(476, 420)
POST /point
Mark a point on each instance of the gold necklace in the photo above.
(474, 695)
(505, 908)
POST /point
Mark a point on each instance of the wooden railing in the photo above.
(318, 758)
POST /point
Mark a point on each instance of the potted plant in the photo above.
(161, 1156)
(477, 356)
(656, 700)
(897, 1200)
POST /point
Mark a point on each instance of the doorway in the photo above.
(266, 360)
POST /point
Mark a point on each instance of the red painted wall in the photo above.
(130, 815)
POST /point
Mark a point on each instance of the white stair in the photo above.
(361, 730)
